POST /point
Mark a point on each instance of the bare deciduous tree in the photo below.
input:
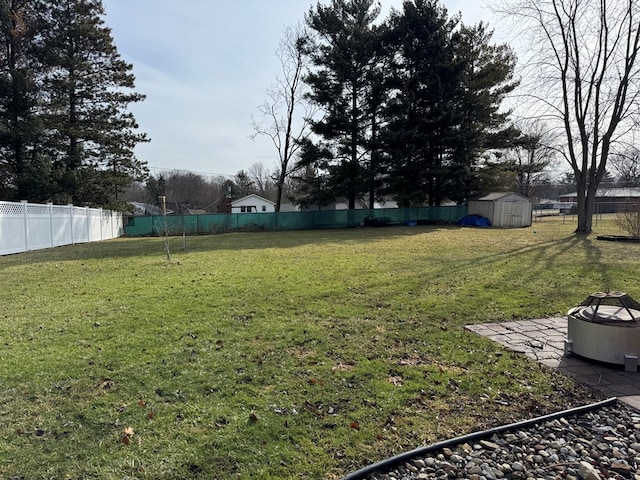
(184, 191)
(263, 179)
(626, 166)
(584, 76)
(532, 154)
(280, 121)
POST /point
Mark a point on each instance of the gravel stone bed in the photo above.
(598, 444)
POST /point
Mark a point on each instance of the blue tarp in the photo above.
(474, 221)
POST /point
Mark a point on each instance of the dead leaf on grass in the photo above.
(300, 353)
(105, 385)
(127, 433)
(413, 359)
(343, 367)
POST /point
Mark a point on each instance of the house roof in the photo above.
(254, 196)
(196, 211)
(612, 193)
(148, 209)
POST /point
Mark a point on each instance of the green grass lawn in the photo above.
(280, 355)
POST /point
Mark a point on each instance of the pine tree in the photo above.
(87, 89)
(23, 173)
(487, 79)
(423, 113)
(447, 84)
(344, 59)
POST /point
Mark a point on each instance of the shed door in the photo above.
(513, 213)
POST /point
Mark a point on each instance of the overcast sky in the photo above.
(205, 67)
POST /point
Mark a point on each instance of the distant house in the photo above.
(364, 205)
(360, 204)
(503, 209)
(609, 200)
(252, 204)
(289, 207)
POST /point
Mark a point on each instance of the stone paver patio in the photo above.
(543, 340)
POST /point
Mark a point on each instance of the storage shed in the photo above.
(503, 209)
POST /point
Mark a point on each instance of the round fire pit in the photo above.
(606, 328)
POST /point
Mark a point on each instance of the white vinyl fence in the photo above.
(28, 226)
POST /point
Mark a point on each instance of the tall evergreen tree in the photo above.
(376, 98)
(87, 89)
(344, 60)
(448, 83)
(243, 185)
(23, 174)
(487, 78)
(423, 112)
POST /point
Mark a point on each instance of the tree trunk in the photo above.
(280, 186)
(374, 164)
(353, 170)
(586, 206)
(372, 198)
(352, 199)
(278, 197)
(584, 219)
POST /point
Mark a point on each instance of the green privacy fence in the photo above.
(230, 222)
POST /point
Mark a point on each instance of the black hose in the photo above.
(423, 451)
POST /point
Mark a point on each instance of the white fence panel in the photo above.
(61, 232)
(80, 227)
(26, 226)
(13, 232)
(38, 226)
(94, 217)
(106, 224)
(109, 227)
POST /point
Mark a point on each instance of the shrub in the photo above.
(628, 219)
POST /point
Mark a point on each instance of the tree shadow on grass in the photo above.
(568, 267)
(550, 257)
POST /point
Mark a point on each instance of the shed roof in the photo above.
(493, 196)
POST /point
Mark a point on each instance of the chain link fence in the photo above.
(311, 220)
